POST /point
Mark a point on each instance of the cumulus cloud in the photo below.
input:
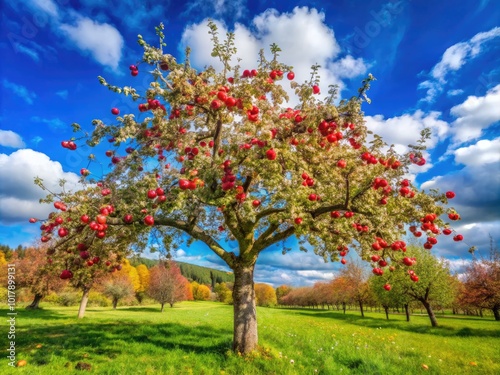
(483, 152)
(10, 139)
(477, 185)
(453, 59)
(19, 90)
(302, 35)
(474, 115)
(19, 195)
(103, 41)
(404, 130)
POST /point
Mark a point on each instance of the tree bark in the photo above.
(361, 308)
(83, 303)
(162, 306)
(496, 312)
(343, 307)
(386, 308)
(430, 312)
(245, 337)
(407, 312)
(34, 305)
(115, 303)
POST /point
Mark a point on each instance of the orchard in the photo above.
(220, 155)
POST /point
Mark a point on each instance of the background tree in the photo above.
(390, 295)
(426, 279)
(166, 284)
(265, 295)
(281, 292)
(228, 160)
(33, 272)
(481, 286)
(143, 274)
(340, 292)
(200, 292)
(118, 286)
(356, 283)
(223, 292)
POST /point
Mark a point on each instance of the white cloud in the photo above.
(474, 115)
(483, 152)
(316, 274)
(349, 67)
(47, 6)
(27, 51)
(453, 59)
(302, 35)
(18, 194)
(455, 92)
(19, 90)
(405, 129)
(234, 9)
(10, 139)
(103, 41)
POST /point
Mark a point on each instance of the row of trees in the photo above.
(478, 288)
(163, 282)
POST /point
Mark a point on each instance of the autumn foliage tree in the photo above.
(166, 284)
(33, 271)
(217, 155)
(481, 286)
(265, 295)
(201, 292)
(118, 286)
(143, 274)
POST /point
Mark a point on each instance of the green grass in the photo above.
(195, 338)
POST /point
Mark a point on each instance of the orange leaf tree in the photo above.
(217, 155)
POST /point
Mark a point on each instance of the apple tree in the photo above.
(217, 155)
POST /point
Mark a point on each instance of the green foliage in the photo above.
(98, 299)
(223, 293)
(193, 338)
(204, 275)
(68, 298)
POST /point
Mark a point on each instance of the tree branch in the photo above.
(279, 236)
(194, 231)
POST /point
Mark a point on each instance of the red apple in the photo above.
(343, 261)
(128, 219)
(316, 89)
(298, 220)
(450, 195)
(152, 194)
(271, 154)
(290, 76)
(66, 274)
(115, 111)
(341, 164)
(256, 203)
(149, 220)
(387, 287)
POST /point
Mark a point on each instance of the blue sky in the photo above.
(436, 66)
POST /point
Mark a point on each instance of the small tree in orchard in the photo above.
(390, 295)
(358, 289)
(143, 273)
(218, 155)
(166, 284)
(33, 271)
(481, 286)
(118, 286)
(265, 295)
(429, 280)
(281, 292)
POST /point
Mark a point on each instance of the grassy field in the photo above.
(195, 338)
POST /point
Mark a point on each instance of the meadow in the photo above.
(195, 338)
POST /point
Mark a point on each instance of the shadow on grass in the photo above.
(39, 313)
(441, 330)
(75, 341)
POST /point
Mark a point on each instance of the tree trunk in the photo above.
(115, 303)
(162, 306)
(34, 305)
(83, 303)
(386, 308)
(407, 312)
(430, 312)
(496, 312)
(343, 307)
(481, 313)
(361, 308)
(245, 337)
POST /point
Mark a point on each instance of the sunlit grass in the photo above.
(195, 338)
